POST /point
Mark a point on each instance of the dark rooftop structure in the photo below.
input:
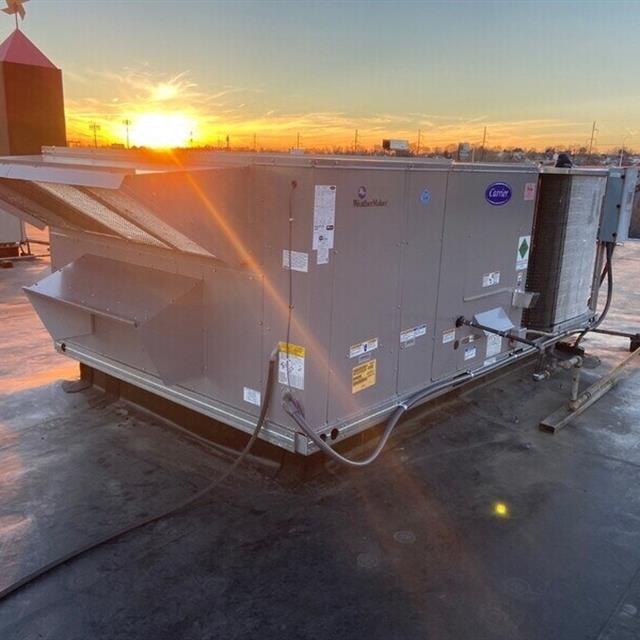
(31, 98)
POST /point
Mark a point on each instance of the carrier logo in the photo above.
(362, 201)
(498, 193)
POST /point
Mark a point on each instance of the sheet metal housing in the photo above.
(416, 245)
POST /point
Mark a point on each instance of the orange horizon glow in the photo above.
(168, 124)
(165, 112)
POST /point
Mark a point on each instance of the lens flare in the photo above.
(161, 130)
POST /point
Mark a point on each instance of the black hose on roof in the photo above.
(76, 553)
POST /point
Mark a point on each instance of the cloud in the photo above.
(109, 97)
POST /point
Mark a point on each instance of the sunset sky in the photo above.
(533, 73)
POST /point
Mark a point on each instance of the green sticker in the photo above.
(524, 247)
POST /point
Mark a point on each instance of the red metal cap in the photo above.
(17, 48)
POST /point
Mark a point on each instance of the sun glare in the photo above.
(161, 130)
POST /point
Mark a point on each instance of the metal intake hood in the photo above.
(158, 311)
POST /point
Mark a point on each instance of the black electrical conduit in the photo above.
(294, 409)
(73, 555)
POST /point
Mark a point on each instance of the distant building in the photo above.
(464, 152)
(397, 147)
(32, 104)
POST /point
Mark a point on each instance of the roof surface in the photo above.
(17, 48)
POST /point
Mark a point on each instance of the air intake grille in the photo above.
(96, 211)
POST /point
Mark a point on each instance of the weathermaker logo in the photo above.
(361, 200)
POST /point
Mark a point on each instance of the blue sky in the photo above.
(532, 72)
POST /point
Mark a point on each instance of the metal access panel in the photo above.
(421, 253)
(485, 250)
(365, 322)
(617, 206)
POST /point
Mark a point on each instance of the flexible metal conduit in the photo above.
(294, 409)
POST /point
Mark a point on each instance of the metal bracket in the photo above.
(580, 402)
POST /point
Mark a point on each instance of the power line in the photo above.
(593, 133)
(95, 127)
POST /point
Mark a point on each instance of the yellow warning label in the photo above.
(363, 376)
(291, 349)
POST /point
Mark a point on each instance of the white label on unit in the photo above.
(324, 216)
(299, 260)
(494, 344)
(363, 347)
(522, 254)
(251, 396)
(490, 279)
(530, 191)
(448, 336)
(490, 361)
(323, 256)
(291, 365)
(411, 334)
(470, 352)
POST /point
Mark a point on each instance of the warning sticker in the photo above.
(323, 256)
(251, 396)
(470, 352)
(448, 336)
(363, 347)
(490, 279)
(522, 255)
(363, 376)
(324, 216)
(494, 344)
(298, 261)
(409, 335)
(530, 191)
(291, 365)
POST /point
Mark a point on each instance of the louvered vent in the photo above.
(564, 250)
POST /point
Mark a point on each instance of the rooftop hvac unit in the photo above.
(181, 279)
(12, 235)
(564, 248)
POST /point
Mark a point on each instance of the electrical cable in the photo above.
(609, 273)
(72, 555)
(294, 409)
(603, 275)
(294, 186)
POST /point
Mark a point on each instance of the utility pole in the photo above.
(418, 145)
(228, 142)
(255, 142)
(621, 154)
(484, 139)
(298, 140)
(95, 127)
(593, 133)
(355, 142)
(127, 123)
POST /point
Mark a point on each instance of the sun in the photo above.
(161, 130)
